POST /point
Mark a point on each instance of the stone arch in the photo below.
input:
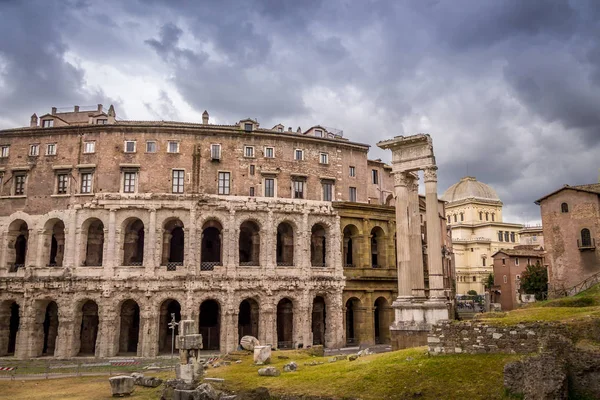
(248, 318)
(10, 321)
(133, 242)
(352, 321)
(129, 328)
(18, 244)
(319, 318)
(318, 245)
(351, 246)
(45, 329)
(173, 243)
(209, 324)
(92, 240)
(382, 319)
(389, 201)
(285, 244)
(165, 334)
(211, 250)
(53, 236)
(378, 247)
(285, 324)
(249, 243)
(90, 323)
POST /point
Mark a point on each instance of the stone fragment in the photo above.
(353, 357)
(269, 371)
(170, 385)
(121, 385)
(317, 351)
(183, 394)
(262, 355)
(248, 342)
(290, 367)
(207, 392)
(283, 357)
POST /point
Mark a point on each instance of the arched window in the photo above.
(462, 217)
(493, 217)
(586, 238)
(481, 215)
(564, 207)
(454, 217)
(487, 216)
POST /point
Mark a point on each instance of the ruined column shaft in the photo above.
(434, 236)
(402, 233)
(416, 247)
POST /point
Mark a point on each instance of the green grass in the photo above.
(401, 374)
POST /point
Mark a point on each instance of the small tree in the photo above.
(489, 281)
(535, 280)
(472, 292)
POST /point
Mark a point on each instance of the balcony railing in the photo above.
(92, 264)
(172, 266)
(249, 264)
(133, 264)
(15, 267)
(349, 265)
(591, 245)
(53, 264)
(319, 264)
(209, 265)
(285, 263)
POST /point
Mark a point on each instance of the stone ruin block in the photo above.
(189, 342)
(121, 385)
(187, 327)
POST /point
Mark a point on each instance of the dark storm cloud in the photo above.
(510, 88)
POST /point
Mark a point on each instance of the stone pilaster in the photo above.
(401, 182)
(415, 241)
(109, 255)
(150, 245)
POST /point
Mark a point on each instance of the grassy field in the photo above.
(403, 374)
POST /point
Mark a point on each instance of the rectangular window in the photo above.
(173, 147)
(324, 158)
(178, 176)
(4, 151)
(252, 191)
(318, 133)
(248, 127)
(47, 123)
(61, 186)
(500, 236)
(129, 146)
(89, 147)
(20, 184)
(298, 189)
(352, 171)
(352, 194)
(506, 236)
(269, 187)
(86, 182)
(151, 147)
(483, 260)
(252, 169)
(215, 151)
(34, 150)
(375, 176)
(299, 154)
(504, 261)
(51, 149)
(327, 191)
(269, 152)
(223, 182)
(505, 279)
(129, 182)
(248, 151)
(512, 237)
(103, 121)
(516, 260)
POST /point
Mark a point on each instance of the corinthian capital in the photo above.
(430, 174)
(413, 183)
(402, 179)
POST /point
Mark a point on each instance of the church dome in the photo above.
(470, 188)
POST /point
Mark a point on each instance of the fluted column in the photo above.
(434, 236)
(416, 247)
(401, 181)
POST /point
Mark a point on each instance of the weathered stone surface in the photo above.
(170, 385)
(141, 380)
(269, 371)
(121, 385)
(290, 367)
(262, 355)
(207, 392)
(353, 357)
(249, 342)
(542, 377)
(182, 394)
(316, 350)
(188, 342)
(260, 393)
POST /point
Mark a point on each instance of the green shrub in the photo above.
(572, 302)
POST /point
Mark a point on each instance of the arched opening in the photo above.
(50, 329)
(377, 247)
(390, 201)
(586, 238)
(318, 321)
(211, 250)
(248, 318)
(285, 245)
(94, 242)
(133, 242)
(285, 324)
(382, 321)
(210, 324)
(165, 336)
(89, 328)
(249, 244)
(352, 334)
(173, 244)
(130, 327)
(564, 207)
(18, 235)
(318, 248)
(54, 242)
(9, 326)
(351, 250)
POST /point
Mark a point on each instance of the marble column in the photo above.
(401, 182)
(434, 236)
(416, 245)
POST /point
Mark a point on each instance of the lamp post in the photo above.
(172, 326)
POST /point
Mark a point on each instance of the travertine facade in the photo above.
(107, 227)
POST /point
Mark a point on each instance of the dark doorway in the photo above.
(89, 328)
(211, 252)
(130, 327)
(249, 246)
(50, 329)
(95, 244)
(210, 324)
(318, 321)
(248, 318)
(285, 324)
(351, 321)
(285, 245)
(14, 322)
(165, 336)
(318, 248)
(133, 243)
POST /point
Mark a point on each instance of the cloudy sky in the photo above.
(509, 90)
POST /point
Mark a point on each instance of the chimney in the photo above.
(298, 130)
(34, 121)
(205, 117)
(111, 111)
(99, 107)
(289, 129)
(76, 108)
(53, 110)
